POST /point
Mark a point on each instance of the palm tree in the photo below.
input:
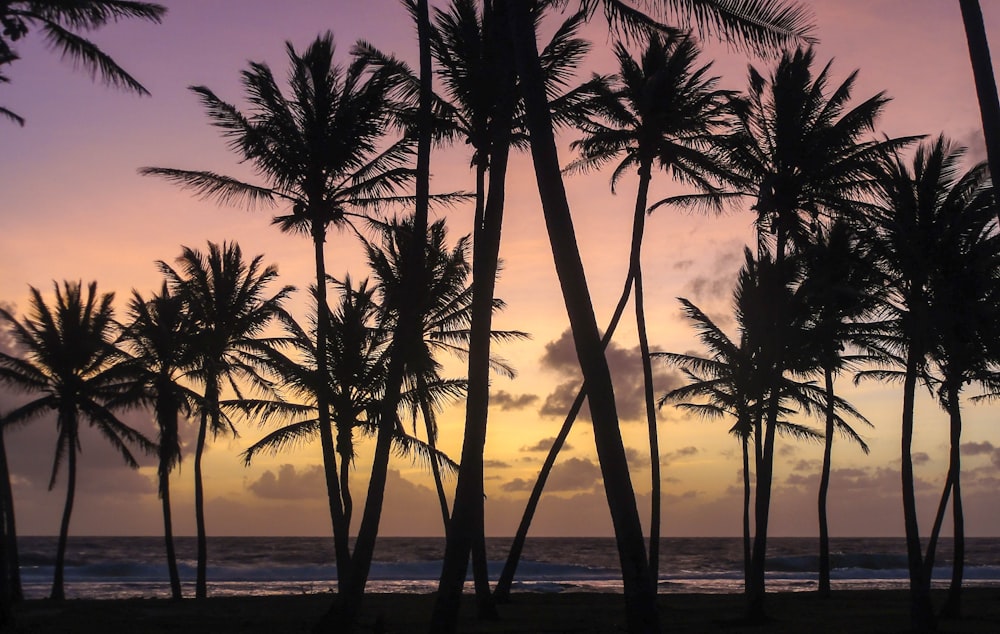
(840, 291)
(917, 200)
(357, 364)
(319, 153)
(58, 20)
(663, 110)
(159, 335)
(10, 567)
(760, 25)
(228, 303)
(70, 359)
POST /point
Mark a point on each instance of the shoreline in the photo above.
(854, 611)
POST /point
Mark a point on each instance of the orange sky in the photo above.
(74, 208)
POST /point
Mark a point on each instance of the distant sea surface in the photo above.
(122, 567)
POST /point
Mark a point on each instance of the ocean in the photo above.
(123, 567)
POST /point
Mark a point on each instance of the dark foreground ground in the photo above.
(848, 612)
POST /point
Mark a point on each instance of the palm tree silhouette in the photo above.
(159, 334)
(917, 201)
(661, 110)
(59, 21)
(986, 85)
(319, 154)
(228, 303)
(839, 288)
(70, 359)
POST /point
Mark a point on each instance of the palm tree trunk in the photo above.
(986, 86)
(339, 518)
(407, 331)
(953, 604)
(744, 440)
(641, 609)
(638, 227)
(921, 612)
(755, 598)
(428, 415)
(200, 584)
(58, 593)
(502, 590)
(12, 565)
(168, 534)
(824, 488)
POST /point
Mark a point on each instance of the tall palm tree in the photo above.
(69, 357)
(228, 302)
(660, 110)
(760, 25)
(839, 288)
(321, 158)
(917, 199)
(159, 334)
(60, 22)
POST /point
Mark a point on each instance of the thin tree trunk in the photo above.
(200, 584)
(502, 591)
(744, 439)
(921, 612)
(406, 334)
(953, 604)
(638, 228)
(58, 593)
(986, 86)
(12, 564)
(641, 609)
(755, 598)
(335, 489)
(428, 415)
(168, 538)
(824, 488)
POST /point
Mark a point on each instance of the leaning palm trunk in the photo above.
(635, 267)
(200, 585)
(405, 334)
(58, 593)
(13, 592)
(163, 476)
(502, 591)
(762, 509)
(921, 612)
(428, 416)
(467, 531)
(986, 86)
(824, 488)
(744, 441)
(335, 487)
(640, 601)
(953, 605)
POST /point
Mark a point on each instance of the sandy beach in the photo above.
(853, 612)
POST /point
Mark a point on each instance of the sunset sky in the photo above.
(73, 207)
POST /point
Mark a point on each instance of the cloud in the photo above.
(976, 448)
(495, 464)
(673, 456)
(637, 458)
(575, 474)
(626, 372)
(507, 401)
(921, 457)
(290, 484)
(544, 445)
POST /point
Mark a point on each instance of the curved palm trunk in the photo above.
(744, 441)
(642, 614)
(201, 583)
(58, 593)
(824, 488)
(335, 487)
(765, 470)
(986, 86)
(502, 591)
(168, 535)
(435, 467)
(13, 592)
(407, 331)
(921, 612)
(638, 227)
(953, 605)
